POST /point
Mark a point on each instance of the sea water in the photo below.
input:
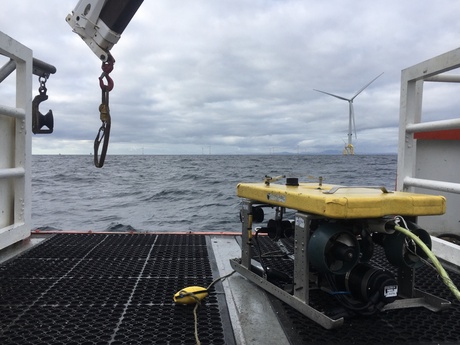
(176, 193)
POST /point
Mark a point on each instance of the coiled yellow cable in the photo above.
(187, 292)
(442, 272)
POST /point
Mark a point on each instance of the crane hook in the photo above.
(38, 119)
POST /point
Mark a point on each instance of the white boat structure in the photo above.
(107, 288)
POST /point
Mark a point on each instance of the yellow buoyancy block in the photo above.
(343, 202)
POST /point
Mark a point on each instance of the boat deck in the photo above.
(109, 288)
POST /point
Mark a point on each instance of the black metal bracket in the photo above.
(38, 119)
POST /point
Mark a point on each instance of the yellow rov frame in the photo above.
(318, 201)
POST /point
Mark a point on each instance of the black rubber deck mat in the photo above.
(109, 289)
(404, 326)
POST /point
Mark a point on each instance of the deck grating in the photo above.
(108, 289)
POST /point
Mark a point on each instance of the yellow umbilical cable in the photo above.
(198, 302)
(442, 272)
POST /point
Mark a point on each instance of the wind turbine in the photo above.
(349, 149)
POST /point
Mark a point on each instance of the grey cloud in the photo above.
(238, 76)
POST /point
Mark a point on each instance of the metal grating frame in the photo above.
(109, 289)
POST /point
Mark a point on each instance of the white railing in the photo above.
(433, 126)
(15, 146)
(429, 152)
(440, 186)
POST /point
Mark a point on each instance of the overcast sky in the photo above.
(237, 76)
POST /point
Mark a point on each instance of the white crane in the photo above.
(349, 149)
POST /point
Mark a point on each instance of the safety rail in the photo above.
(441, 186)
(15, 145)
(433, 126)
(428, 155)
(12, 172)
(13, 112)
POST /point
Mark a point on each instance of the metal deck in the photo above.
(110, 289)
(118, 288)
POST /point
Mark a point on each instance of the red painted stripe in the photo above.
(448, 134)
(205, 233)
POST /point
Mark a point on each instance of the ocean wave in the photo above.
(118, 227)
(175, 193)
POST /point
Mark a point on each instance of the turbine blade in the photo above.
(331, 94)
(362, 89)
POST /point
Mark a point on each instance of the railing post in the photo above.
(16, 148)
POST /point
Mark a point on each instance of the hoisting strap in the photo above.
(103, 134)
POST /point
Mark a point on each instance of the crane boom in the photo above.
(100, 23)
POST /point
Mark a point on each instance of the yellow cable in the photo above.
(198, 302)
(442, 272)
(197, 338)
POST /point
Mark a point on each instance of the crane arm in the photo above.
(100, 23)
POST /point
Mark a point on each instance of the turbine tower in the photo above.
(349, 149)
